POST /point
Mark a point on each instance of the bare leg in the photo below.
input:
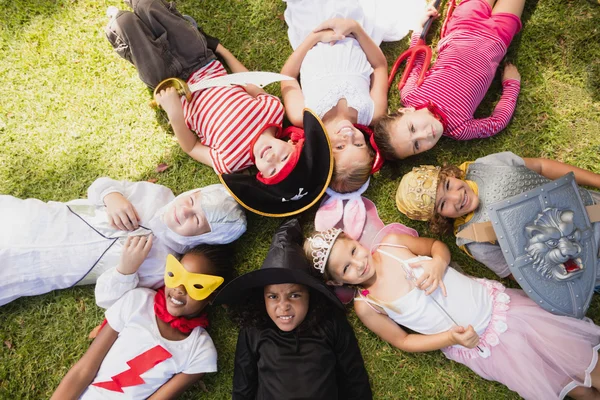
(509, 6)
(584, 393)
(595, 375)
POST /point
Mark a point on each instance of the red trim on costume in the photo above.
(137, 366)
(437, 113)
(184, 325)
(378, 160)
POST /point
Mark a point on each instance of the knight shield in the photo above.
(547, 240)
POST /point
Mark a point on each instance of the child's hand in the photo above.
(340, 26)
(466, 337)
(169, 101)
(431, 278)
(220, 49)
(135, 251)
(431, 11)
(121, 213)
(510, 72)
(328, 36)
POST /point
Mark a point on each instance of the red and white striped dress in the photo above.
(457, 82)
(228, 119)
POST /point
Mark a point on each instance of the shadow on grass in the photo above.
(17, 14)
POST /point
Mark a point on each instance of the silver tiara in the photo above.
(320, 246)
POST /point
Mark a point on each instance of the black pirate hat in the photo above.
(301, 189)
(285, 263)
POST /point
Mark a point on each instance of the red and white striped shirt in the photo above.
(457, 82)
(228, 119)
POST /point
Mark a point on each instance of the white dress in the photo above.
(537, 354)
(141, 348)
(330, 73)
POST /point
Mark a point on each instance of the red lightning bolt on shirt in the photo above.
(137, 366)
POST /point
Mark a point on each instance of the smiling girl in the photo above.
(294, 341)
(454, 195)
(342, 74)
(58, 245)
(473, 43)
(499, 333)
(153, 344)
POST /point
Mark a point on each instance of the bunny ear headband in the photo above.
(353, 214)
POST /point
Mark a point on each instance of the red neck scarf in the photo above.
(435, 110)
(184, 325)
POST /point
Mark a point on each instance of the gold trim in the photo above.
(312, 203)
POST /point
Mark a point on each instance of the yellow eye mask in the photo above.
(197, 286)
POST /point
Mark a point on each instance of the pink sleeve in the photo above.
(486, 127)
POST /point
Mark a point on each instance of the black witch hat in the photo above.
(285, 263)
(301, 189)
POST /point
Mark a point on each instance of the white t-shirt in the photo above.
(141, 352)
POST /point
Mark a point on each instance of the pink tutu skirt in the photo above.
(533, 352)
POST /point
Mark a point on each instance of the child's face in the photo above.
(415, 132)
(179, 303)
(186, 217)
(455, 198)
(348, 145)
(271, 154)
(287, 304)
(349, 262)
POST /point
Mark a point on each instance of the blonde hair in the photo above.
(350, 179)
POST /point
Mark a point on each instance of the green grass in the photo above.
(72, 111)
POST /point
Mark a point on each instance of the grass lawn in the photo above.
(72, 111)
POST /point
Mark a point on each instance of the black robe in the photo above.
(321, 364)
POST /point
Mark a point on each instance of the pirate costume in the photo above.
(304, 185)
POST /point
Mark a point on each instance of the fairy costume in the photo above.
(521, 345)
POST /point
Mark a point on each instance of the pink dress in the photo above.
(468, 56)
(537, 354)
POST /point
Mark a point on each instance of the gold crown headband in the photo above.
(320, 246)
(416, 193)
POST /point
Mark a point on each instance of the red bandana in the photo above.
(435, 110)
(296, 135)
(184, 325)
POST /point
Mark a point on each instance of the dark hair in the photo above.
(350, 179)
(438, 224)
(252, 313)
(382, 137)
(219, 257)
